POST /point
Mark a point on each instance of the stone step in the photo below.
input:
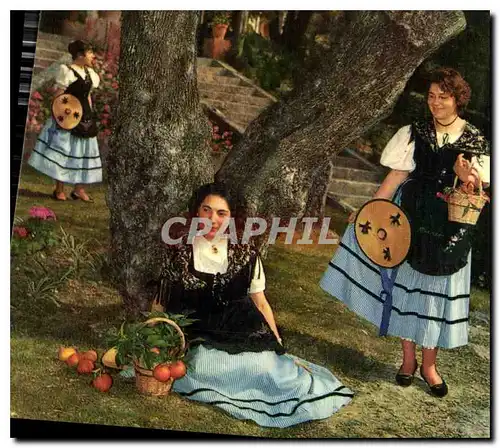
(54, 37)
(349, 202)
(229, 107)
(353, 187)
(43, 62)
(243, 119)
(242, 99)
(226, 88)
(219, 79)
(349, 162)
(54, 44)
(342, 172)
(48, 53)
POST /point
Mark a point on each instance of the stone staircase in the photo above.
(354, 180)
(229, 94)
(237, 101)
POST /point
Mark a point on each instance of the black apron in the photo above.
(87, 127)
(439, 246)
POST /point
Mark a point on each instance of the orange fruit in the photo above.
(177, 370)
(65, 352)
(85, 366)
(162, 372)
(73, 360)
(103, 382)
(90, 354)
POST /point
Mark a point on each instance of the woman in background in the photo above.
(72, 156)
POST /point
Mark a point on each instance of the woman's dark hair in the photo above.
(452, 82)
(78, 48)
(237, 205)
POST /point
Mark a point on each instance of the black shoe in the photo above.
(438, 390)
(75, 197)
(405, 380)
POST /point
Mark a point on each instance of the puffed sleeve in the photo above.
(482, 164)
(258, 283)
(398, 153)
(64, 77)
(95, 78)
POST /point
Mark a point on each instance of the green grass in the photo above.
(315, 327)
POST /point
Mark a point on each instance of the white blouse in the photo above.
(398, 153)
(65, 76)
(207, 260)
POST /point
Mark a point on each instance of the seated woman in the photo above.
(241, 365)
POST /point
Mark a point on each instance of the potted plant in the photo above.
(155, 347)
(220, 23)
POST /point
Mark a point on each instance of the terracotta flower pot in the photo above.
(219, 31)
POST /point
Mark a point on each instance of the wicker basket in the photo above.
(145, 381)
(465, 207)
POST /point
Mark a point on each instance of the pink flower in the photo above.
(226, 134)
(109, 76)
(31, 113)
(114, 85)
(216, 129)
(228, 143)
(107, 132)
(217, 136)
(42, 213)
(104, 122)
(106, 108)
(22, 232)
(38, 128)
(37, 96)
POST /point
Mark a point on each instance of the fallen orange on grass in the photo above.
(90, 354)
(103, 382)
(85, 366)
(65, 352)
(73, 360)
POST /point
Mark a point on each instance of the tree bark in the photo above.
(316, 200)
(295, 27)
(354, 87)
(158, 152)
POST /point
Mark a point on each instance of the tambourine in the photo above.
(67, 111)
(383, 232)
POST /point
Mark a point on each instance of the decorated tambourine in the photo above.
(67, 111)
(383, 232)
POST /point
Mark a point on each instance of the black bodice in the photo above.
(227, 317)
(81, 89)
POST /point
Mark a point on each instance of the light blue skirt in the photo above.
(432, 311)
(272, 390)
(66, 158)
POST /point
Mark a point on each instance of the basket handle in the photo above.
(154, 320)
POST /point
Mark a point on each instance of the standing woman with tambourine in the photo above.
(67, 148)
(429, 299)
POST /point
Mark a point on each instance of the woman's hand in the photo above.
(352, 217)
(462, 168)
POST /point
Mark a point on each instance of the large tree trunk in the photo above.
(316, 201)
(354, 87)
(295, 27)
(158, 153)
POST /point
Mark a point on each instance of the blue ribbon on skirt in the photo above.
(387, 285)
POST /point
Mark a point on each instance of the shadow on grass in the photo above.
(69, 324)
(33, 194)
(341, 359)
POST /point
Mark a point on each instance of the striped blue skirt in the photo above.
(432, 311)
(272, 390)
(66, 158)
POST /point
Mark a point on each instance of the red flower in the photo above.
(37, 96)
(106, 108)
(22, 232)
(104, 122)
(217, 136)
(107, 132)
(228, 143)
(114, 85)
(42, 213)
